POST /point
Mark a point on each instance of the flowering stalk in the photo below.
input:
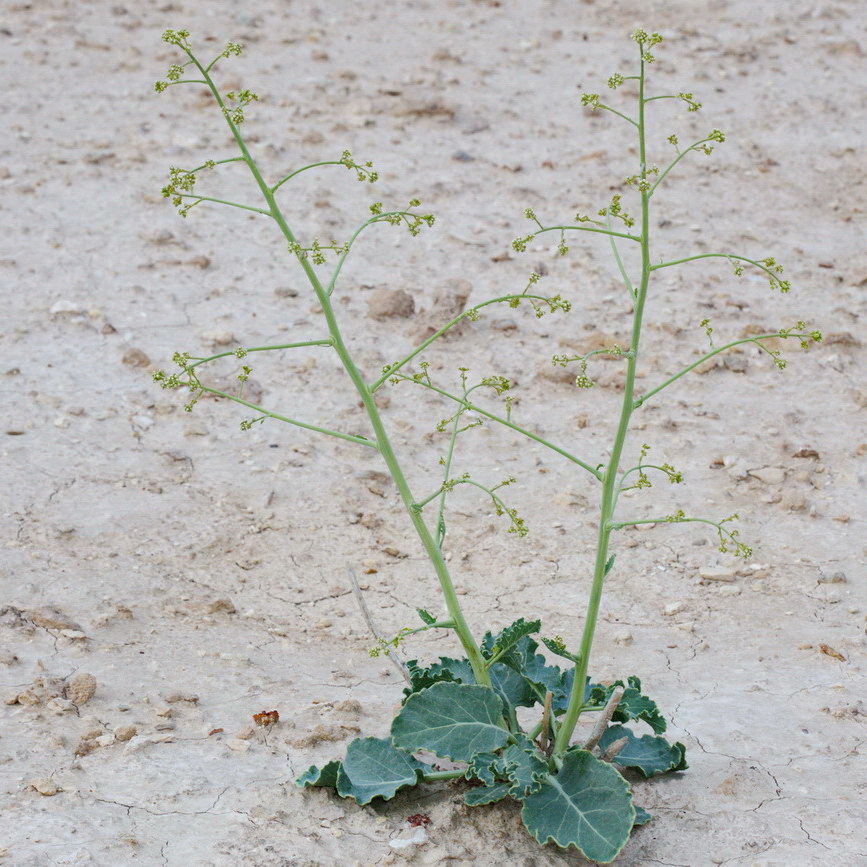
(610, 476)
(234, 117)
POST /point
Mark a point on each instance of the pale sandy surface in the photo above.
(132, 518)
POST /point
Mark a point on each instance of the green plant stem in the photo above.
(326, 341)
(199, 198)
(609, 232)
(304, 169)
(481, 411)
(609, 478)
(394, 368)
(648, 394)
(675, 161)
(447, 468)
(618, 113)
(435, 776)
(215, 162)
(619, 525)
(621, 267)
(383, 443)
(716, 256)
(363, 441)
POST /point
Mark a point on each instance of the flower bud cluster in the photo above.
(177, 37)
(364, 172)
(615, 209)
(771, 263)
(691, 103)
(646, 41)
(242, 99)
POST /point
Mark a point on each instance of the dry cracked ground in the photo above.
(166, 575)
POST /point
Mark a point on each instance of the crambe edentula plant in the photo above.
(465, 709)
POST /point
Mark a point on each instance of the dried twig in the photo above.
(394, 658)
(546, 722)
(604, 719)
(611, 753)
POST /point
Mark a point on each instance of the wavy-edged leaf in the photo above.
(324, 776)
(524, 767)
(485, 767)
(633, 705)
(531, 665)
(648, 755)
(504, 641)
(587, 804)
(642, 817)
(452, 720)
(426, 617)
(374, 768)
(486, 795)
(421, 678)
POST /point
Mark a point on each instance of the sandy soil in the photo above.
(198, 573)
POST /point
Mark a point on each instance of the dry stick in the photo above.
(611, 753)
(395, 660)
(546, 722)
(604, 719)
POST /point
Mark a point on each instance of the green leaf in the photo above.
(324, 776)
(556, 646)
(460, 669)
(509, 637)
(524, 767)
(609, 565)
(422, 678)
(634, 705)
(642, 817)
(373, 768)
(452, 720)
(486, 795)
(485, 767)
(587, 805)
(648, 755)
(511, 687)
(426, 617)
(531, 665)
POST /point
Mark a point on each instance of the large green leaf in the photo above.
(587, 805)
(453, 720)
(373, 768)
(324, 776)
(486, 795)
(648, 755)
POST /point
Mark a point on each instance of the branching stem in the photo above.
(648, 394)
(382, 440)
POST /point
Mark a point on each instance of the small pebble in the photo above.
(81, 688)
